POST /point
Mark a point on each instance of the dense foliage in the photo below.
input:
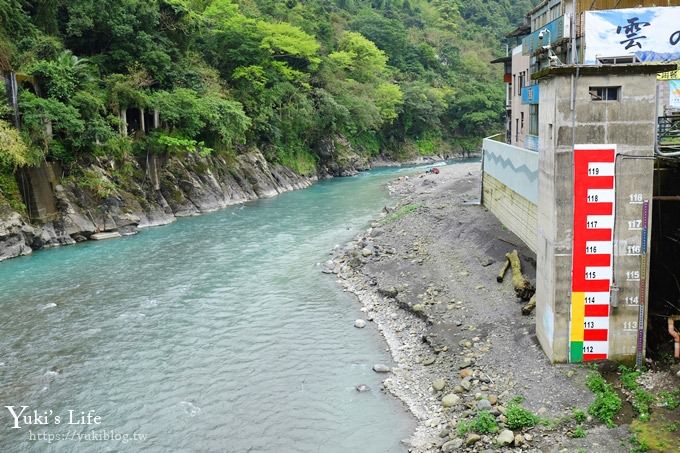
(388, 75)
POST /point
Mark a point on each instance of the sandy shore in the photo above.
(425, 273)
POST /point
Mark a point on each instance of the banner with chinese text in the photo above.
(650, 34)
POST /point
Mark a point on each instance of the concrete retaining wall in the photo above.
(510, 187)
(513, 210)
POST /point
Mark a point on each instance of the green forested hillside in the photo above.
(390, 76)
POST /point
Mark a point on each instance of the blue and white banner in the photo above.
(651, 34)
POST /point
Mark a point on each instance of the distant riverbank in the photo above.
(168, 188)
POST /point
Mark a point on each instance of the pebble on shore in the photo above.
(380, 368)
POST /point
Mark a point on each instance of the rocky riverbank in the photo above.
(124, 199)
(425, 273)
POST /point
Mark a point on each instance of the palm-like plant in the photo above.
(80, 68)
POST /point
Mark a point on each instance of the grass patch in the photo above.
(366, 143)
(300, 160)
(9, 191)
(401, 213)
(607, 403)
(660, 433)
(642, 399)
(638, 445)
(519, 417)
(579, 415)
(428, 145)
(670, 399)
(483, 423)
(578, 433)
(94, 182)
(629, 378)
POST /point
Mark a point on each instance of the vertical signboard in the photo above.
(674, 88)
(592, 253)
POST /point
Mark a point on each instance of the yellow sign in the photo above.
(670, 75)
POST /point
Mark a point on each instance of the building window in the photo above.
(521, 115)
(533, 119)
(553, 13)
(516, 130)
(605, 93)
(626, 59)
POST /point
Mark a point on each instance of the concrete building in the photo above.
(520, 101)
(596, 168)
(599, 318)
(516, 76)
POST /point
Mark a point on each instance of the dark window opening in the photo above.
(663, 304)
(533, 119)
(628, 59)
(605, 93)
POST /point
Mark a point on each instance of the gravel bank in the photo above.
(425, 273)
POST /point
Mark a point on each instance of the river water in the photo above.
(216, 333)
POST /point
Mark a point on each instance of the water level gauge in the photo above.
(593, 251)
(609, 257)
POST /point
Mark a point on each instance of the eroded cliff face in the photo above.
(179, 187)
(15, 233)
(338, 158)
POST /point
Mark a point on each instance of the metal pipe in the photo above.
(573, 32)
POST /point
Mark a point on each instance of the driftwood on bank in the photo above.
(523, 287)
(529, 307)
(504, 269)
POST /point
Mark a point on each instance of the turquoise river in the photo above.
(217, 333)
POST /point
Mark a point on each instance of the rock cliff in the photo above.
(152, 195)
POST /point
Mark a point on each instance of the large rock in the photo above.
(506, 437)
(450, 400)
(193, 185)
(338, 157)
(380, 368)
(388, 292)
(439, 384)
(452, 445)
(15, 234)
(483, 405)
(472, 439)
